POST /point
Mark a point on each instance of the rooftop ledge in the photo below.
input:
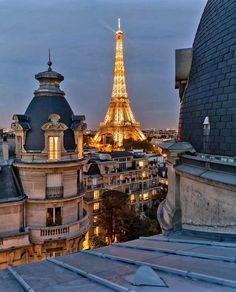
(43, 163)
(226, 160)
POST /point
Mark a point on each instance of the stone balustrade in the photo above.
(66, 231)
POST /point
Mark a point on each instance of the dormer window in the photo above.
(54, 133)
(53, 148)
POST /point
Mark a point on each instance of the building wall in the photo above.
(33, 182)
(70, 182)
(205, 204)
(11, 217)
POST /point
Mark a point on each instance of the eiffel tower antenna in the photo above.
(119, 27)
(119, 122)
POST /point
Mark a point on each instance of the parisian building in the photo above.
(134, 173)
(41, 187)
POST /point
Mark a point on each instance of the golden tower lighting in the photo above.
(119, 122)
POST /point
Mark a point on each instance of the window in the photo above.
(95, 219)
(145, 196)
(96, 206)
(140, 197)
(55, 253)
(54, 189)
(95, 181)
(141, 164)
(144, 174)
(53, 148)
(96, 195)
(54, 216)
(132, 198)
(154, 192)
(96, 231)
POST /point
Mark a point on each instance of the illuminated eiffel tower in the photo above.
(119, 122)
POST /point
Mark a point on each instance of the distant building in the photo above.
(132, 173)
(119, 122)
(41, 189)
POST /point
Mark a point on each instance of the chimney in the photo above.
(5, 148)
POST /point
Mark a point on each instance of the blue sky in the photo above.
(82, 41)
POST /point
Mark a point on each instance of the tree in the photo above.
(95, 242)
(114, 205)
(121, 223)
(130, 144)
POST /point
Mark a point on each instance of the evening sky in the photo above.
(81, 36)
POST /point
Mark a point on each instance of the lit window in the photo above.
(53, 152)
(145, 196)
(95, 219)
(96, 206)
(132, 198)
(96, 195)
(144, 174)
(96, 230)
(140, 197)
(141, 164)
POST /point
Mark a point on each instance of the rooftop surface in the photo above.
(184, 263)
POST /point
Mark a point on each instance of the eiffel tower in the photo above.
(119, 122)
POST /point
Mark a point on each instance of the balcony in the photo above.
(94, 187)
(53, 193)
(66, 231)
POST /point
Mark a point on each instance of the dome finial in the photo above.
(49, 60)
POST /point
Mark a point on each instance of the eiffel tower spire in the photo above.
(119, 85)
(119, 122)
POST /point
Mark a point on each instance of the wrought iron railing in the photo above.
(54, 192)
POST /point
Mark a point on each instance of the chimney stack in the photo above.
(5, 148)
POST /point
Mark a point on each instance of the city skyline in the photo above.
(83, 51)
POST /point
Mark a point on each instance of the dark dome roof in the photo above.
(49, 99)
(211, 90)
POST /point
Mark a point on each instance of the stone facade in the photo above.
(130, 173)
(41, 211)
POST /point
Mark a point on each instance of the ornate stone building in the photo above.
(131, 173)
(41, 190)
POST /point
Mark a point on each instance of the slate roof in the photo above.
(38, 112)
(119, 154)
(10, 187)
(211, 90)
(94, 170)
(183, 262)
(48, 99)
